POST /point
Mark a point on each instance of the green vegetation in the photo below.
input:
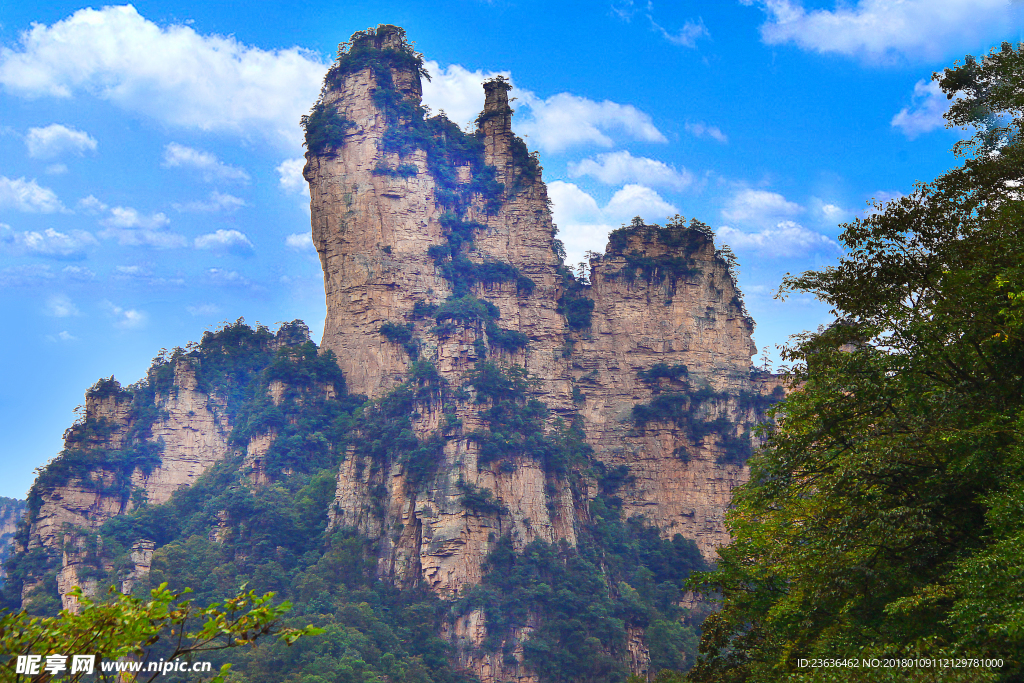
(659, 371)
(402, 334)
(676, 235)
(621, 574)
(165, 628)
(883, 516)
(574, 303)
(324, 128)
(402, 171)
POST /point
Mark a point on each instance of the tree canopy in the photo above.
(885, 513)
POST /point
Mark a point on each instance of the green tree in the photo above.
(127, 627)
(885, 513)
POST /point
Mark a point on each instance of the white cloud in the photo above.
(171, 73)
(203, 309)
(299, 241)
(584, 225)
(28, 196)
(63, 336)
(687, 36)
(883, 29)
(228, 278)
(560, 121)
(25, 276)
(924, 114)
(55, 140)
(57, 169)
(92, 205)
(212, 169)
(125, 319)
(225, 240)
(614, 168)
(131, 228)
(217, 202)
(49, 242)
(637, 200)
(786, 239)
(289, 172)
(457, 91)
(127, 217)
(759, 207)
(78, 273)
(700, 129)
(564, 120)
(60, 306)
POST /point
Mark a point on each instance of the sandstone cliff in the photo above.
(132, 446)
(650, 359)
(11, 512)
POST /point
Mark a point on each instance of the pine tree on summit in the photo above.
(885, 514)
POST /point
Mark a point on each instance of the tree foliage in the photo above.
(884, 515)
(163, 627)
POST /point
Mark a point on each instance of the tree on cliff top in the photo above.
(885, 514)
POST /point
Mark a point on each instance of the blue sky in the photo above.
(150, 155)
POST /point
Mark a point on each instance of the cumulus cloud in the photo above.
(916, 30)
(220, 277)
(289, 173)
(61, 306)
(56, 140)
(565, 120)
(125, 318)
(759, 207)
(614, 168)
(299, 241)
(553, 124)
(225, 240)
(211, 168)
(92, 205)
(49, 242)
(457, 91)
(216, 203)
(584, 225)
(131, 228)
(786, 239)
(77, 273)
(28, 196)
(701, 130)
(928, 104)
(172, 74)
(828, 212)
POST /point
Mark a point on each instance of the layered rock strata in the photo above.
(187, 431)
(661, 297)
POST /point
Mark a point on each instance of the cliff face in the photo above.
(651, 359)
(133, 446)
(11, 512)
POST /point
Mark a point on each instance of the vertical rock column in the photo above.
(371, 231)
